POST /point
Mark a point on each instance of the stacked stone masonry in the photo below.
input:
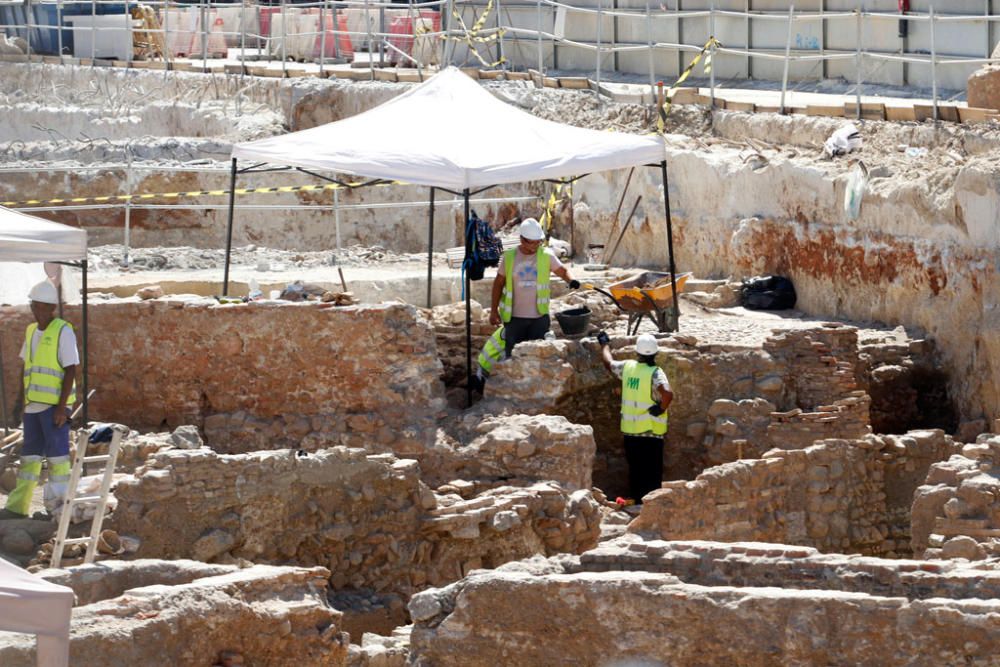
(838, 496)
(192, 614)
(663, 603)
(956, 513)
(367, 518)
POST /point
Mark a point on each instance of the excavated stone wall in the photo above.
(257, 376)
(256, 616)
(956, 512)
(368, 519)
(664, 603)
(848, 496)
(809, 368)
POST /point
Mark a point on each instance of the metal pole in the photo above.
(3, 392)
(131, 39)
(600, 21)
(788, 53)
(335, 20)
(430, 248)
(468, 308)
(229, 227)
(322, 37)
(128, 204)
(86, 357)
(371, 38)
(500, 59)
(167, 47)
(381, 38)
(934, 86)
(711, 33)
(649, 47)
(204, 36)
(449, 45)
(93, 31)
(538, 12)
(857, 57)
(670, 248)
(336, 216)
(59, 30)
(28, 21)
(284, 38)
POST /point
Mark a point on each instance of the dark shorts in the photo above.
(524, 328)
(42, 438)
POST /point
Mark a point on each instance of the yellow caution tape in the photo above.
(192, 193)
(709, 47)
(471, 36)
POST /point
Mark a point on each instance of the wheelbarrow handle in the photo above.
(590, 286)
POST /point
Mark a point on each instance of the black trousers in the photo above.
(645, 464)
(524, 328)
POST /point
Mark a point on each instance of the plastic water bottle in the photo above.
(550, 335)
(255, 292)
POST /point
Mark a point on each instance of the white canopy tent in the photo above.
(31, 605)
(450, 133)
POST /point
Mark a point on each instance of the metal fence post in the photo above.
(538, 12)
(649, 47)
(711, 33)
(322, 37)
(128, 205)
(934, 86)
(599, 23)
(788, 56)
(857, 57)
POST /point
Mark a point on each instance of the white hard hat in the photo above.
(531, 230)
(44, 292)
(646, 345)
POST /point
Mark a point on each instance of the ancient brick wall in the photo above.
(262, 375)
(838, 496)
(367, 518)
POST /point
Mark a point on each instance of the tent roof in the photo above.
(31, 604)
(450, 132)
(25, 238)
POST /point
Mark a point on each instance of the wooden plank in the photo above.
(824, 110)
(386, 75)
(550, 82)
(407, 75)
(518, 76)
(765, 109)
(704, 100)
(740, 106)
(869, 111)
(975, 114)
(926, 112)
(685, 96)
(576, 82)
(472, 72)
(900, 113)
(491, 74)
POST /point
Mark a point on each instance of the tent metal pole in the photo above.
(670, 249)
(229, 227)
(468, 307)
(430, 248)
(3, 392)
(86, 359)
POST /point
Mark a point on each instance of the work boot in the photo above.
(19, 500)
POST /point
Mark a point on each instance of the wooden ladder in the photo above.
(99, 499)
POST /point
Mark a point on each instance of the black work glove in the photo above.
(602, 338)
(574, 284)
(655, 410)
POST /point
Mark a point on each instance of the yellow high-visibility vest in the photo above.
(542, 291)
(43, 376)
(637, 386)
(493, 351)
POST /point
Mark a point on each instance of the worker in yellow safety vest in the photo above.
(491, 355)
(646, 395)
(50, 362)
(520, 297)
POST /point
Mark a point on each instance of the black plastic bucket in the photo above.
(574, 321)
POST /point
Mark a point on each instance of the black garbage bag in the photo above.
(768, 293)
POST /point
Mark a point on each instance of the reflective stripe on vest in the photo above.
(542, 291)
(43, 376)
(493, 351)
(637, 387)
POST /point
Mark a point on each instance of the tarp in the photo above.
(25, 238)
(34, 606)
(449, 132)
